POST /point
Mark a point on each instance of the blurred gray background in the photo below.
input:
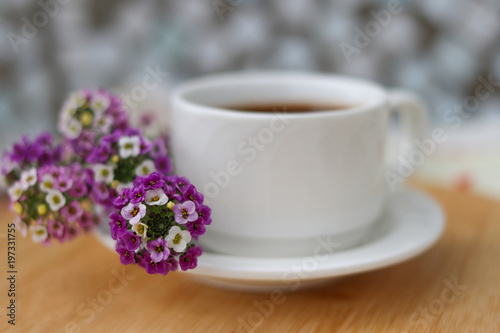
(436, 48)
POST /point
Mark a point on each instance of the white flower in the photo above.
(103, 173)
(78, 98)
(156, 197)
(121, 186)
(145, 168)
(15, 191)
(39, 233)
(100, 102)
(28, 178)
(55, 199)
(7, 164)
(140, 229)
(21, 227)
(71, 129)
(68, 110)
(47, 183)
(104, 123)
(178, 239)
(129, 146)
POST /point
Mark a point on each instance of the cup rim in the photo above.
(179, 97)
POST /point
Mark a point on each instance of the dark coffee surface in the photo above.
(286, 107)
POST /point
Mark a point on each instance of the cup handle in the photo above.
(413, 122)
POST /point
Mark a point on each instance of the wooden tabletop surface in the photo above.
(82, 287)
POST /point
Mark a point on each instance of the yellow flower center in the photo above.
(145, 170)
(56, 199)
(185, 213)
(42, 209)
(135, 212)
(86, 119)
(140, 229)
(18, 208)
(128, 146)
(177, 239)
(155, 198)
(47, 184)
(159, 249)
(105, 172)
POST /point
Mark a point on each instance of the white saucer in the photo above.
(410, 224)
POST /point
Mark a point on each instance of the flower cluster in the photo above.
(50, 201)
(96, 127)
(156, 222)
(88, 115)
(122, 156)
(104, 162)
(26, 154)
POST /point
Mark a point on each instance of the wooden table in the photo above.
(82, 287)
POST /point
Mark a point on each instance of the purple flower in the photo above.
(178, 182)
(55, 229)
(126, 257)
(185, 212)
(153, 267)
(137, 194)
(100, 192)
(71, 232)
(145, 145)
(158, 249)
(163, 164)
(86, 221)
(153, 181)
(72, 212)
(78, 190)
(63, 183)
(190, 193)
(158, 148)
(172, 193)
(100, 154)
(196, 228)
(44, 139)
(130, 240)
(84, 145)
(20, 150)
(111, 138)
(204, 213)
(172, 264)
(190, 259)
(117, 225)
(147, 119)
(122, 199)
(133, 212)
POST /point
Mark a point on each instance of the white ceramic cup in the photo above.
(279, 182)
